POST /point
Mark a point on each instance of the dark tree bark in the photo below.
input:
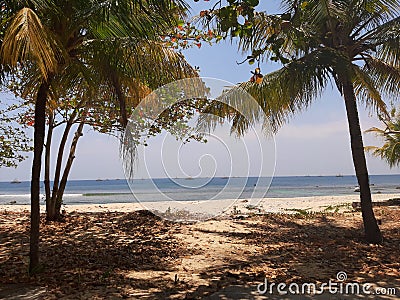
(67, 169)
(371, 228)
(39, 134)
(121, 100)
(51, 213)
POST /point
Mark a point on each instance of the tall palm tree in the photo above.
(51, 34)
(354, 43)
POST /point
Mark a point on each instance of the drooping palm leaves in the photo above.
(51, 33)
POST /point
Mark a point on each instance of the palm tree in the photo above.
(390, 150)
(51, 34)
(354, 43)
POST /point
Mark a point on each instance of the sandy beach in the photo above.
(213, 208)
(137, 255)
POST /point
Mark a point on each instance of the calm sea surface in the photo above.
(118, 191)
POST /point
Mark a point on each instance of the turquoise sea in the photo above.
(118, 191)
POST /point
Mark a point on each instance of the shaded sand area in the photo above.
(137, 255)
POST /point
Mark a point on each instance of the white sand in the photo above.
(216, 207)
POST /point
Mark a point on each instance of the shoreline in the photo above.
(218, 207)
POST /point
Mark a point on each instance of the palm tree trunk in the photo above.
(371, 228)
(39, 133)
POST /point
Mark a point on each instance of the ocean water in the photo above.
(118, 191)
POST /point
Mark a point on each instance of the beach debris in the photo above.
(299, 211)
(251, 207)
(390, 202)
(235, 210)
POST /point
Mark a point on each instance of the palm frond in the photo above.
(25, 38)
(134, 18)
(375, 130)
(326, 13)
(366, 90)
(281, 94)
(385, 76)
(388, 43)
(390, 150)
(379, 33)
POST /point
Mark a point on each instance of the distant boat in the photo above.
(339, 175)
(99, 179)
(225, 177)
(189, 178)
(15, 181)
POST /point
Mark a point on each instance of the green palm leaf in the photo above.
(27, 38)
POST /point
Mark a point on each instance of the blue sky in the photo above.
(314, 142)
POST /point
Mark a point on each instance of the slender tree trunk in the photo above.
(39, 133)
(47, 161)
(67, 168)
(371, 228)
(51, 213)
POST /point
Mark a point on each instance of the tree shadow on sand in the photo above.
(136, 255)
(307, 249)
(92, 252)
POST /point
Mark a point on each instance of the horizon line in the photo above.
(189, 177)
